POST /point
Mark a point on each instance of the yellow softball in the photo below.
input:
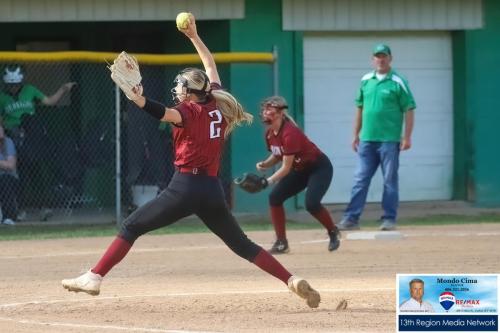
(182, 20)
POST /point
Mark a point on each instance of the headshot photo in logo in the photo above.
(416, 302)
(447, 300)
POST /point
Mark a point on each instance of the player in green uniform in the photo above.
(17, 105)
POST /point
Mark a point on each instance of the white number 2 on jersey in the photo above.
(215, 128)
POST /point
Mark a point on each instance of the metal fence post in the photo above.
(276, 71)
(118, 157)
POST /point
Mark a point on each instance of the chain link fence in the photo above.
(83, 154)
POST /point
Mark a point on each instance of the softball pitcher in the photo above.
(303, 165)
(202, 118)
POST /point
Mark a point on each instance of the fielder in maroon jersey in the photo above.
(303, 166)
(203, 117)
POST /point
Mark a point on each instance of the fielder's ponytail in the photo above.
(289, 118)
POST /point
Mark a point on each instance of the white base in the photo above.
(364, 235)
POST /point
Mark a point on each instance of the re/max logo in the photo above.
(467, 302)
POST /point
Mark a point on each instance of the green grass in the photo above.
(27, 232)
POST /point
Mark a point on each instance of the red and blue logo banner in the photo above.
(447, 302)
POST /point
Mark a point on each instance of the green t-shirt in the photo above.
(384, 103)
(13, 108)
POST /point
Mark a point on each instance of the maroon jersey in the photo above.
(291, 141)
(199, 140)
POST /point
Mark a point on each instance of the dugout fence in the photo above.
(93, 156)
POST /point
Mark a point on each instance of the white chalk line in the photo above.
(100, 327)
(144, 329)
(177, 249)
(214, 247)
(188, 294)
(146, 250)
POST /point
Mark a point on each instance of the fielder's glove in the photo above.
(125, 72)
(251, 182)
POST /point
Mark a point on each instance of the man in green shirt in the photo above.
(384, 102)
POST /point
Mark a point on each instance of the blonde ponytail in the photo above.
(196, 81)
(231, 109)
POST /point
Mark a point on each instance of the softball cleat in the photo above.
(89, 283)
(302, 288)
(334, 242)
(279, 247)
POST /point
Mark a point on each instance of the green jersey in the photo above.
(12, 108)
(384, 103)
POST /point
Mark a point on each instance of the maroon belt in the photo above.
(194, 171)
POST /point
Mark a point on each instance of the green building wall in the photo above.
(259, 32)
(477, 164)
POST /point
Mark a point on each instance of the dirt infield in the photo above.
(192, 283)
